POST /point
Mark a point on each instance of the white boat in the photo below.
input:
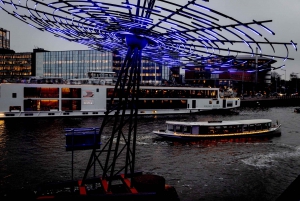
(53, 97)
(297, 110)
(219, 129)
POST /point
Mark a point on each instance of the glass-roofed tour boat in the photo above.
(219, 129)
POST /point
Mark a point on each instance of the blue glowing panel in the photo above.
(82, 138)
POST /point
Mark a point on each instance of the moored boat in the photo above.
(53, 97)
(219, 129)
(297, 110)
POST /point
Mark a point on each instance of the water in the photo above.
(33, 152)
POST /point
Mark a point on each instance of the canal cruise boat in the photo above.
(219, 129)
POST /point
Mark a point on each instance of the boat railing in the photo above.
(46, 80)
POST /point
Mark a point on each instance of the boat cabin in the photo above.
(218, 127)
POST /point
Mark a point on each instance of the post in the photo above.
(256, 62)
(296, 84)
(243, 84)
(284, 80)
(276, 77)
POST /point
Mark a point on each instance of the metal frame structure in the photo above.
(165, 31)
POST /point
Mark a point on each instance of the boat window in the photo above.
(32, 92)
(40, 105)
(252, 127)
(14, 95)
(187, 129)
(229, 104)
(14, 108)
(49, 92)
(218, 129)
(246, 128)
(170, 127)
(178, 128)
(264, 126)
(233, 129)
(211, 130)
(240, 128)
(38, 92)
(196, 130)
(71, 92)
(258, 126)
(225, 129)
(110, 93)
(161, 104)
(70, 105)
(179, 93)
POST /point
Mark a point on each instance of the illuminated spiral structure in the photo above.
(167, 32)
(179, 33)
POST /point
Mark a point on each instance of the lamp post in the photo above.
(284, 80)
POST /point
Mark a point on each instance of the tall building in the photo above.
(4, 39)
(15, 67)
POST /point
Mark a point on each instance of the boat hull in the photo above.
(99, 113)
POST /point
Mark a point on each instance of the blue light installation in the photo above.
(94, 21)
(177, 32)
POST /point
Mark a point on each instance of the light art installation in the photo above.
(178, 33)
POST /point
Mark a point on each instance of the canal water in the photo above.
(33, 151)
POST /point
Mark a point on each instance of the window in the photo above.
(14, 95)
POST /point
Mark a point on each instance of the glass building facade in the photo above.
(77, 63)
(151, 72)
(72, 64)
